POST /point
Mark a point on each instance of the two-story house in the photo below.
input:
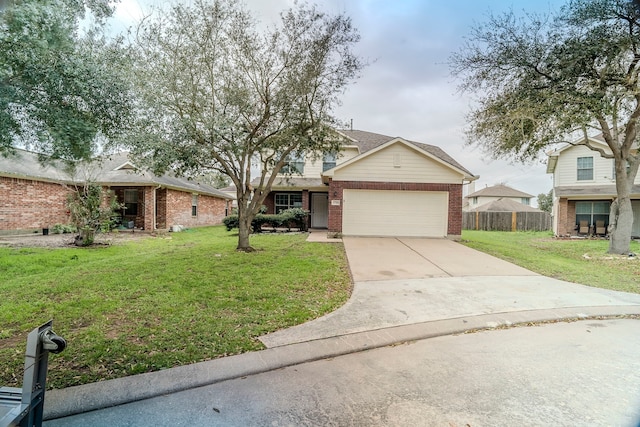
(494, 193)
(583, 189)
(376, 185)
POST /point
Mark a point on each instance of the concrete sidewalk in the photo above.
(430, 288)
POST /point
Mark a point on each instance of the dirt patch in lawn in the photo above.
(68, 240)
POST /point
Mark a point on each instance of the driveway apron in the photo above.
(405, 281)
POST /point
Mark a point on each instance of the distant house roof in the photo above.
(111, 170)
(366, 141)
(505, 205)
(499, 191)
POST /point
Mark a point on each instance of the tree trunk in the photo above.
(244, 229)
(621, 223)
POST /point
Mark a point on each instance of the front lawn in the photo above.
(582, 261)
(162, 301)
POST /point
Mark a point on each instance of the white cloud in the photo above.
(407, 90)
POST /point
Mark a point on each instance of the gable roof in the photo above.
(367, 141)
(111, 170)
(505, 205)
(499, 190)
(553, 155)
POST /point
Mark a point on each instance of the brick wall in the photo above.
(455, 199)
(27, 205)
(161, 208)
(211, 210)
(562, 217)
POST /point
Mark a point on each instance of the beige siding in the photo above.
(313, 164)
(398, 163)
(566, 173)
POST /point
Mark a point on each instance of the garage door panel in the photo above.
(395, 213)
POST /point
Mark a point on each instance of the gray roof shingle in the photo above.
(499, 190)
(107, 171)
(505, 205)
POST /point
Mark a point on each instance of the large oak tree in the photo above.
(545, 79)
(218, 92)
(62, 88)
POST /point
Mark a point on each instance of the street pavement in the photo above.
(567, 374)
(397, 354)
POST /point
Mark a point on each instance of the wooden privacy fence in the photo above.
(506, 221)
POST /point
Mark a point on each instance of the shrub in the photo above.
(92, 209)
(231, 222)
(63, 228)
(290, 218)
(296, 217)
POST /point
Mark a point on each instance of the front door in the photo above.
(319, 210)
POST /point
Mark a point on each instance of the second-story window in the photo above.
(294, 164)
(585, 168)
(328, 161)
(525, 201)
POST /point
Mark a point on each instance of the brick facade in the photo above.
(31, 205)
(336, 188)
(566, 217)
(210, 210)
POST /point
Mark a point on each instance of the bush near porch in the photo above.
(160, 302)
(289, 218)
(581, 261)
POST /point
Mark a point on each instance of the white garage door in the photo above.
(395, 213)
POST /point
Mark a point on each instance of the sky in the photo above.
(407, 89)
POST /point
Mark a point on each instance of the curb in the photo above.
(89, 397)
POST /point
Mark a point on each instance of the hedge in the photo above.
(289, 218)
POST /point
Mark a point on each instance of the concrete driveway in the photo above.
(376, 258)
(413, 281)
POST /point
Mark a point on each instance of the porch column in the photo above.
(335, 207)
(149, 208)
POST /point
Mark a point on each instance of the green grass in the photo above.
(161, 302)
(582, 261)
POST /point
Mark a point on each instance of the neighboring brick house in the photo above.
(494, 193)
(583, 189)
(33, 196)
(376, 185)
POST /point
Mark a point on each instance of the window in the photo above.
(287, 200)
(328, 161)
(592, 212)
(585, 168)
(614, 169)
(131, 202)
(525, 201)
(294, 163)
(194, 205)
